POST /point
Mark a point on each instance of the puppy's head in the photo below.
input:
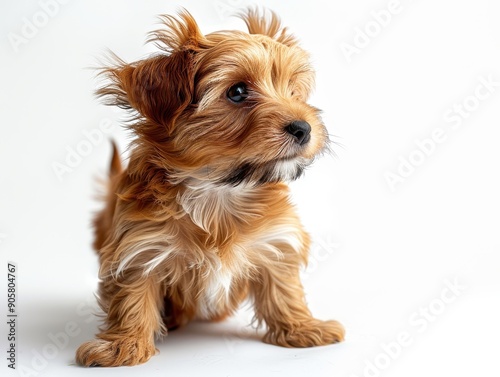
(227, 107)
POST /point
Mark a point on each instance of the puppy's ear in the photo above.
(161, 87)
(158, 88)
(260, 23)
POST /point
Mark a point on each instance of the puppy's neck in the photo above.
(220, 210)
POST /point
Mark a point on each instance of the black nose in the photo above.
(301, 130)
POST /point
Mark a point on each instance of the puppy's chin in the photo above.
(255, 174)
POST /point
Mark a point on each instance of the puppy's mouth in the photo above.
(281, 170)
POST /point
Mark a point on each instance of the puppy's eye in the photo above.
(238, 92)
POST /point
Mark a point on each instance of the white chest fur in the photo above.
(214, 297)
(209, 205)
(219, 279)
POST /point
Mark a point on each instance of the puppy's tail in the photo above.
(104, 218)
(116, 164)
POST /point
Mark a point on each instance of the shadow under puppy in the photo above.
(201, 218)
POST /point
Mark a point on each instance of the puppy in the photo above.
(201, 218)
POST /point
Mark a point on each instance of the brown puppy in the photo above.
(201, 219)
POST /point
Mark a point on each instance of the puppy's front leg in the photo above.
(133, 318)
(280, 303)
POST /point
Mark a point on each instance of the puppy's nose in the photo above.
(301, 130)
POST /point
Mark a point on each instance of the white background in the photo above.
(380, 257)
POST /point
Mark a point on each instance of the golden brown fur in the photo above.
(200, 219)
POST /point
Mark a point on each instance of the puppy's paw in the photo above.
(120, 352)
(309, 334)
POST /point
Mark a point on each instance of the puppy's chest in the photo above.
(242, 239)
(217, 284)
(223, 276)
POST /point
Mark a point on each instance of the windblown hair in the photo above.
(200, 219)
